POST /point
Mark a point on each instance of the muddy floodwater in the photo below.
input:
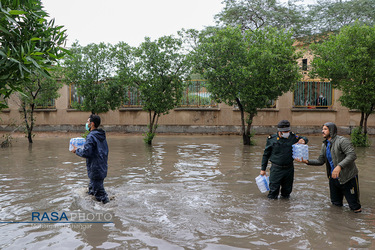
(183, 192)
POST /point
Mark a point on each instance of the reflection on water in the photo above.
(182, 193)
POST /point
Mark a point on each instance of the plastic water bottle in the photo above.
(79, 142)
(300, 151)
(263, 183)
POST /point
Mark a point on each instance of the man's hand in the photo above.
(336, 172)
(301, 141)
(301, 160)
(74, 149)
(262, 172)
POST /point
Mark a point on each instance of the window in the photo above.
(133, 98)
(74, 97)
(271, 104)
(313, 95)
(49, 104)
(304, 64)
(196, 95)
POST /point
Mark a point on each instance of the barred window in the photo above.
(271, 104)
(74, 97)
(311, 94)
(196, 95)
(49, 104)
(133, 98)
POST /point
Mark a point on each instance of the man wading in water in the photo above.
(279, 150)
(338, 154)
(96, 153)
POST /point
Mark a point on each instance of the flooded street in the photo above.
(183, 192)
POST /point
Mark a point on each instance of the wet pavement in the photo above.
(183, 192)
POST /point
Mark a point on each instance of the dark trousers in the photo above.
(350, 190)
(96, 188)
(281, 177)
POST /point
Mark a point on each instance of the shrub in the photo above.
(148, 137)
(359, 139)
(7, 142)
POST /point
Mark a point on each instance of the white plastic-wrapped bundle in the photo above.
(263, 183)
(300, 151)
(79, 142)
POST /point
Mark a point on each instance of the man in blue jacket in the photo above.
(96, 153)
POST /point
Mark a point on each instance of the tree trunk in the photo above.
(29, 136)
(152, 127)
(29, 128)
(248, 130)
(362, 119)
(245, 137)
(365, 123)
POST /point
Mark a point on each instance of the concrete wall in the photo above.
(221, 120)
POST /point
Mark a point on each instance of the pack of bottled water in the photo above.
(263, 183)
(79, 142)
(300, 151)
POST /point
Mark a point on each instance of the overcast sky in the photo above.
(130, 21)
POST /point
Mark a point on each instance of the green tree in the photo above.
(247, 69)
(259, 14)
(30, 45)
(306, 21)
(123, 60)
(158, 72)
(37, 92)
(91, 68)
(348, 60)
(327, 16)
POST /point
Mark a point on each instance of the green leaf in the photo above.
(33, 61)
(2, 29)
(4, 77)
(17, 12)
(37, 54)
(52, 55)
(69, 52)
(3, 54)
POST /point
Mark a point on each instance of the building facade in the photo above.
(312, 103)
(305, 116)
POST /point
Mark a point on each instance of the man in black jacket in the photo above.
(96, 153)
(279, 151)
